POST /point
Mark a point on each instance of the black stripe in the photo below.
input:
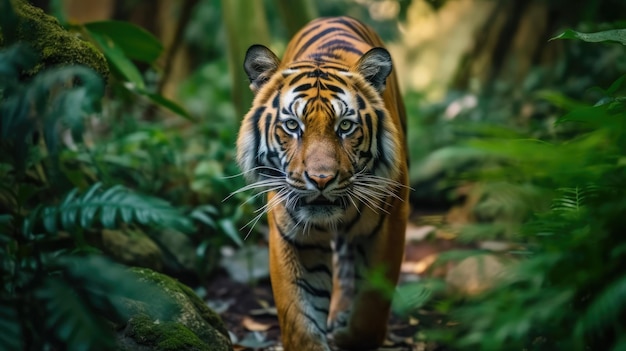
(321, 329)
(340, 241)
(326, 249)
(304, 66)
(366, 154)
(346, 22)
(256, 131)
(340, 44)
(268, 127)
(319, 268)
(369, 125)
(297, 78)
(311, 290)
(324, 56)
(276, 101)
(333, 88)
(329, 65)
(360, 102)
(379, 138)
(323, 310)
(302, 87)
(315, 38)
(336, 41)
(348, 49)
(305, 33)
(337, 78)
(356, 218)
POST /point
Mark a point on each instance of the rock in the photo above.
(180, 257)
(132, 248)
(475, 274)
(246, 264)
(187, 325)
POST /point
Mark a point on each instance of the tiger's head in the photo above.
(318, 135)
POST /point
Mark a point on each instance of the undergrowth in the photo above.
(565, 287)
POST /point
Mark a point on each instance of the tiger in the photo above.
(324, 140)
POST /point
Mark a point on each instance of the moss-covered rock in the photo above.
(164, 336)
(53, 43)
(188, 325)
(131, 247)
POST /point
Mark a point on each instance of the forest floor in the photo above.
(250, 316)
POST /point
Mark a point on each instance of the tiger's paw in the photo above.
(348, 338)
(339, 322)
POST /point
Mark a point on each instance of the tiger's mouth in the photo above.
(321, 201)
(319, 210)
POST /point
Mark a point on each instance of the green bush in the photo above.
(69, 168)
(566, 290)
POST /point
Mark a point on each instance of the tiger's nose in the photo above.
(320, 180)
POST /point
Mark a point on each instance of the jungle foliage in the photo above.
(564, 285)
(74, 161)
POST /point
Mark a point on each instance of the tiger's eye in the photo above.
(345, 125)
(292, 125)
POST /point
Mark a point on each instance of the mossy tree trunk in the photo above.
(245, 24)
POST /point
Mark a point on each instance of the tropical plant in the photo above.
(565, 289)
(56, 290)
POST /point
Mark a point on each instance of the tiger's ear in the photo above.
(260, 63)
(375, 65)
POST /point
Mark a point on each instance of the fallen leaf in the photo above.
(253, 325)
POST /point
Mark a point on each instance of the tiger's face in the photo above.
(319, 137)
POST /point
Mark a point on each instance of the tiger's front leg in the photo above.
(300, 272)
(383, 249)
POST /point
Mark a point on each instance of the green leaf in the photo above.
(227, 227)
(108, 291)
(71, 320)
(613, 35)
(11, 336)
(605, 310)
(135, 42)
(560, 100)
(204, 214)
(118, 60)
(410, 297)
(601, 116)
(110, 207)
(616, 85)
(162, 101)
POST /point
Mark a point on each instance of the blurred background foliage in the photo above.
(138, 143)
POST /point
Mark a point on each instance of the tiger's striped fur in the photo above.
(325, 139)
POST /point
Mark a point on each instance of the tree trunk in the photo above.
(296, 13)
(245, 25)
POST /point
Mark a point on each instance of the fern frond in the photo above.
(71, 320)
(109, 208)
(108, 291)
(412, 296)
(573, 200)
(10, 338)
(605, 310)
(56, 96)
